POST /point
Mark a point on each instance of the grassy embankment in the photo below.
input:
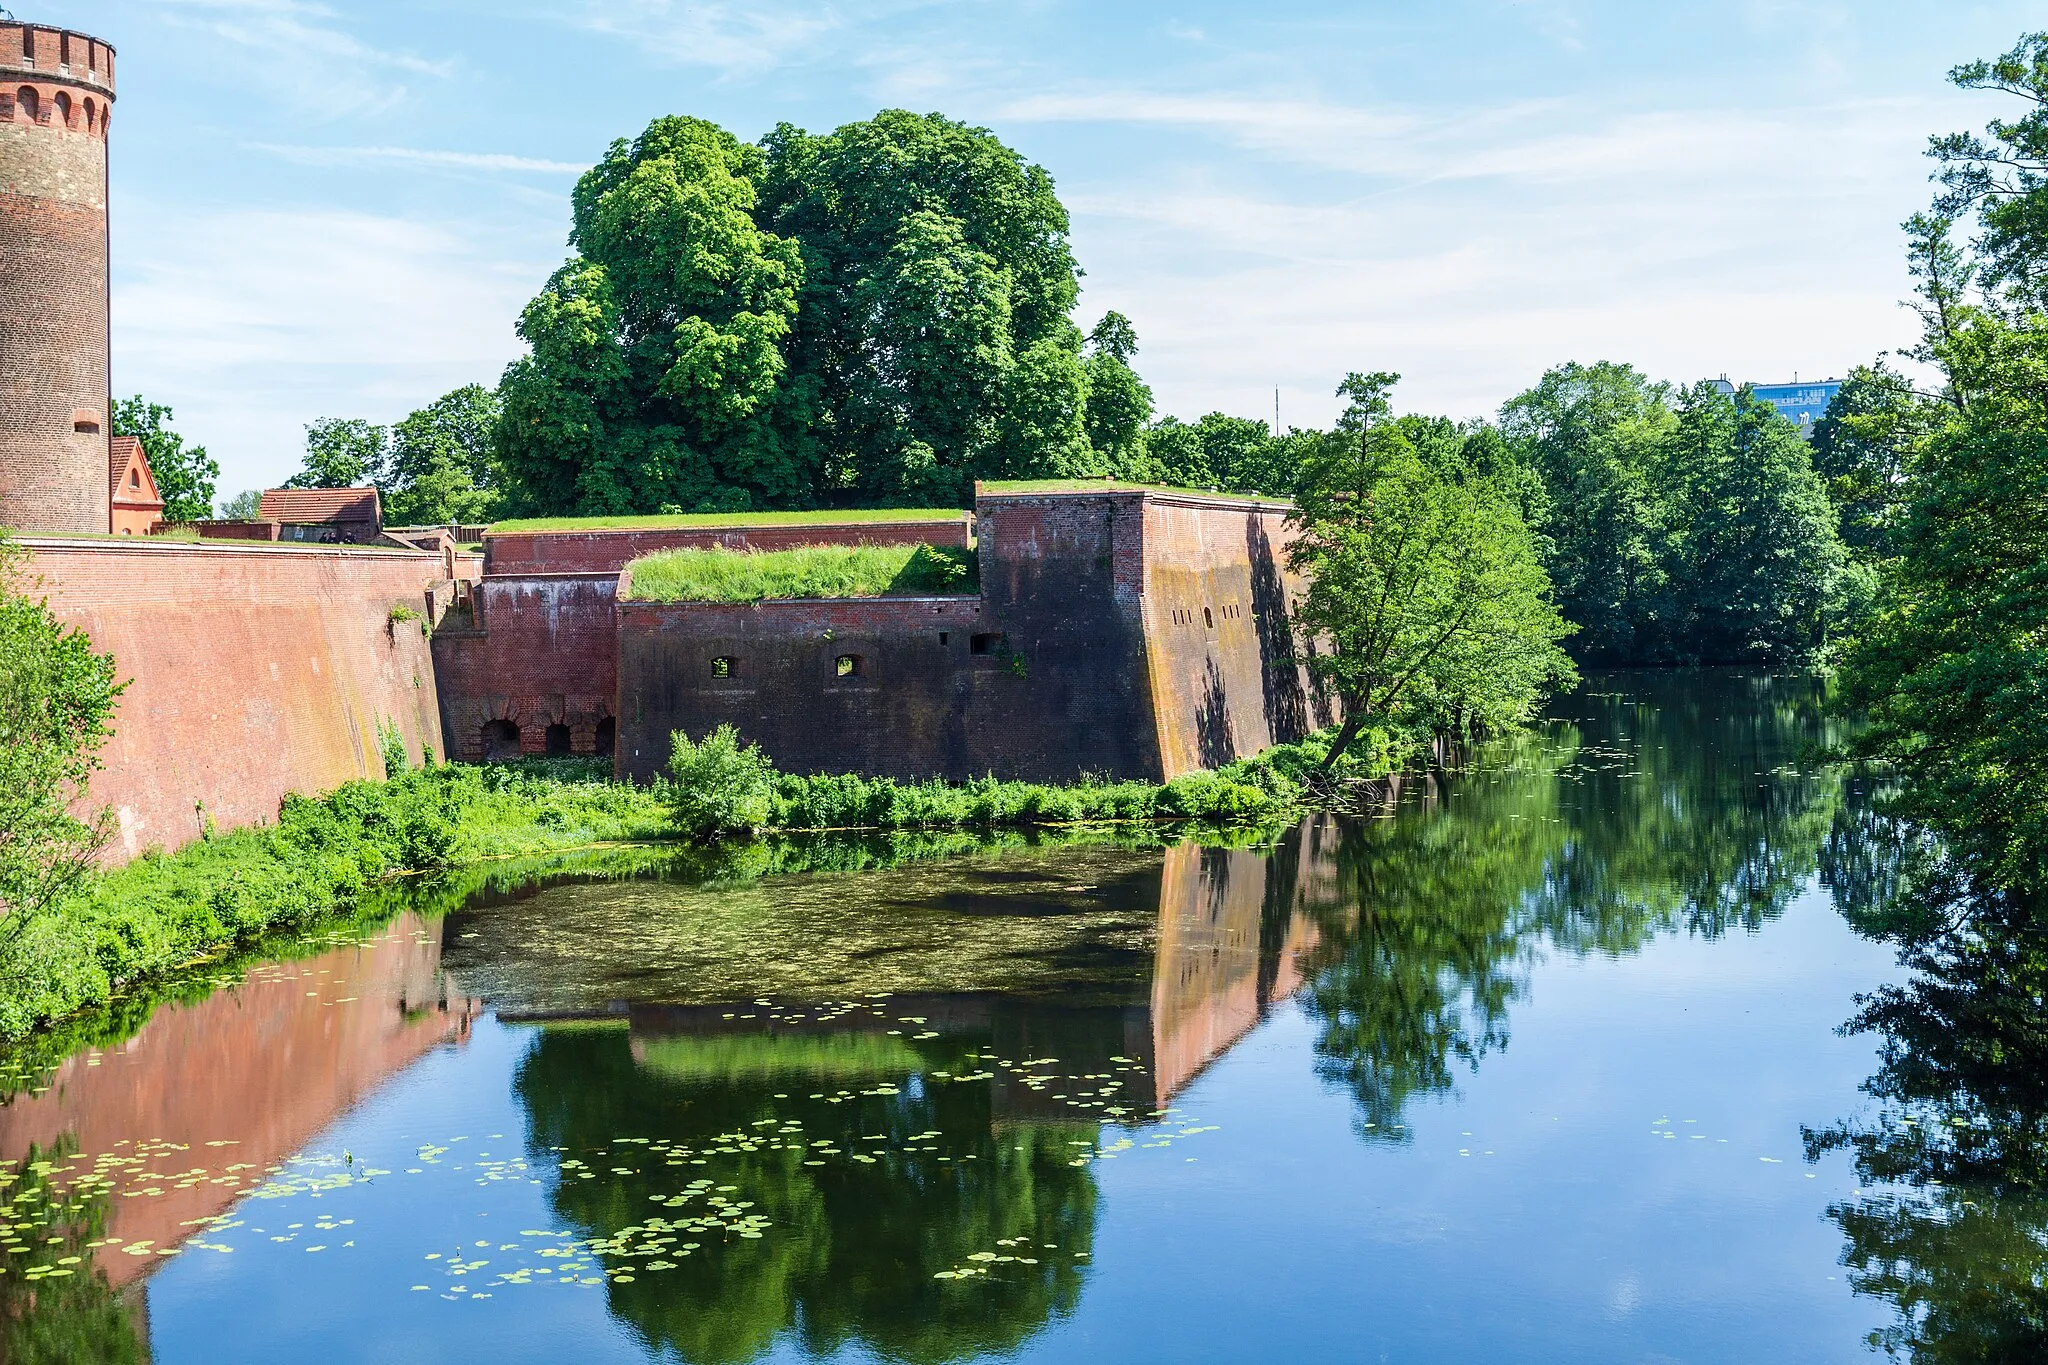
(336, 857)
(813, 571)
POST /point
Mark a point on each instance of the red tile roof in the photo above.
(123, 451)
(314, 506)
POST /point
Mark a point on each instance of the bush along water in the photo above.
(721, 787)
(334, 858)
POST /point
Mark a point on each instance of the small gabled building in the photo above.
(324, 516)
(136, 506)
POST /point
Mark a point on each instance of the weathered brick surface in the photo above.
(1217, 600)
(530, 552)
(55, 92)
(919, 705)
(542, 650)
(253, 672)
(1099, 656)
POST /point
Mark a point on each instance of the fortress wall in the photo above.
(531, 552)
(543, 651)
(254, 672)
(1216, 602)
(1062, 577)
(919, 706)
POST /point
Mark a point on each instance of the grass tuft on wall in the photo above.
(814, 571)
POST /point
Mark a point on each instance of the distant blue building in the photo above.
(1804, 404)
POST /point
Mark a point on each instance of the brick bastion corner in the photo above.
(252, 671)
(1132, 632)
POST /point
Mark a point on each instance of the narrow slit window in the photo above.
(722, 666)
(1208, 619)
(846, 666)
(943, 637)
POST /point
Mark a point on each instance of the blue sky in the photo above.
(337, 209)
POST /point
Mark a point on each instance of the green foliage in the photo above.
(441, 469)
(720, 786)
(342, 452)
(1228, 454)
(1425, 590)
(658, 375)
(1861, 446)
(391, 740)
(808, 571)
(184, 474)
(246, 505)
(1757, 570)
(1951, 671)
(2003, 177)
(324, 856)
(876, 314)
(1119, 403)
(1593, 434)
(57, 700)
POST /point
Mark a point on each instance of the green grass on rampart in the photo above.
(685, 521)
(1015, 487)
(813, 571)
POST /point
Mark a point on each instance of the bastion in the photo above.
(1117, 630)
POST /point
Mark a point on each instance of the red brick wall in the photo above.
(529, 552)
(53, 280)
(255, 672)
(1216, 602)
(922, 704)
(542, 651)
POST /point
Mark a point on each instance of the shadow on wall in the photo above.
(1286, 705)
(1213, 737)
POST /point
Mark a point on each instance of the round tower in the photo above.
(56, 92)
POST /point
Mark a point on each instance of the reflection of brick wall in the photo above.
(254, 672)
(55, 91)
(533, 552)
(266, 1066)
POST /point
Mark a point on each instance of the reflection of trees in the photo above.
(1667, 804)
(851, 1257)
(73, 1317)
(1959, 1242)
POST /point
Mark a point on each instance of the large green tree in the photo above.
(1119, 403)
(1860, 447)
(185, 474)
(1757, 570)
(342, 452)
(1424, 589)
(657, 376)
(442, 468)
(1592, 434)
(1953, 671)
(935, 301)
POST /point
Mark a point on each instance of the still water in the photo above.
(1539, 1063)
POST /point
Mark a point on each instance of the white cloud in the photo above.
(740, 38)
(252, 324)
(308, 59)
(418, 156)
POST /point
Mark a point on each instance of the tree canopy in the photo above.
(1424, 587)
(184, 474)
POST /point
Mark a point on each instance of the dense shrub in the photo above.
(719, 786)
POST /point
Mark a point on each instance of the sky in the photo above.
(338, 209)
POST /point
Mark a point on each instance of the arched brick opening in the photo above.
(607, 737)
(501, 741)
(30, 102)
(557, 740)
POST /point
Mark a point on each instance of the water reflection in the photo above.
(854, 1095)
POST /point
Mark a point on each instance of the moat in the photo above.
(1538, 1064)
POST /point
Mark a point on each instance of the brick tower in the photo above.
(56, 91)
